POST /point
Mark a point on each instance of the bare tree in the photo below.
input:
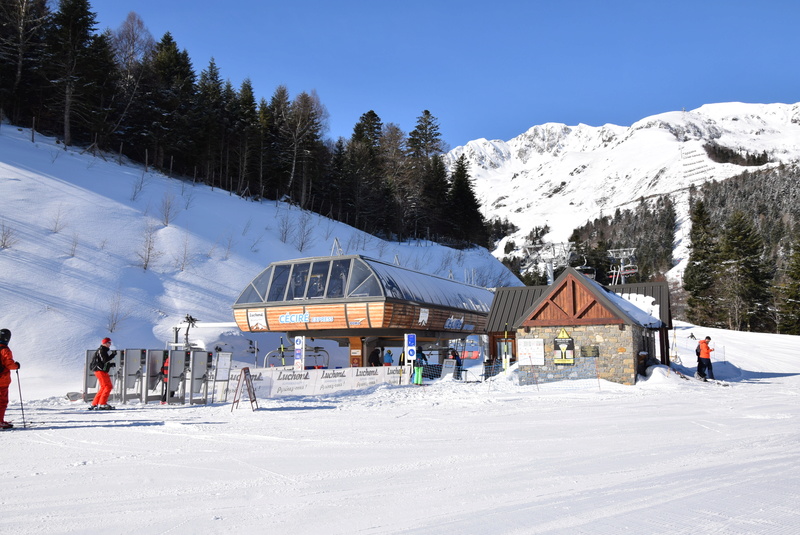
(284, 227)
(188, 198)
(132, 43)
(138, 185)
(184, 257)
(169, 209)
(8, 236)
(305, 120)
(116, 313)
(304, 234)
(147, 252)
(57, 222)
(73, 246)
(229, 245)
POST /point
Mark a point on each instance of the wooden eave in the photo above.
(570, 302)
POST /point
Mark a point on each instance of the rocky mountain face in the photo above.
(562, 176)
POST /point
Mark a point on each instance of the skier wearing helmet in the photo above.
(100, 365)
(7, 363)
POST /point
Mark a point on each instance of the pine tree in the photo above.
(789, 294)
(22, 44)
(427, 179)
(210, 136)
(277, 146)
(700, 273)
(247, 141)
(101, 83)
(743, 285)
(464, 213)
(365, 168)
(435, 187)
(171, 105)
(425, 140)
(69, 42)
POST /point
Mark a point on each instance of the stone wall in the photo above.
(616, 349)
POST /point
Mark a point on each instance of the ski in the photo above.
(713, 381)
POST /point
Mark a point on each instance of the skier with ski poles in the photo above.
(7, 363)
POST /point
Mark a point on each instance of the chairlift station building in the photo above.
(360, 302)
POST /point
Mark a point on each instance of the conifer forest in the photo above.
(123, 92)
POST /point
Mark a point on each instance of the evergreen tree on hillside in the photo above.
(171, 105)
(744, 280)
(67, 60)
(210, 123)
(366, 173)
(700, 273)
(101, 89)
(464, 212)
(425, 140)
(22, 44)
(789, 294)
(276, 144)
(246, 142)
(434, 220)
(424, 211)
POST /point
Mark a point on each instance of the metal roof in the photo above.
(511, 304)
(357, 278)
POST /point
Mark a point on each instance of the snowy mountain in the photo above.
(670, 455)
(77, 230)
(563, 176)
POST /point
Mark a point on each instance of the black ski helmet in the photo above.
(5, 336)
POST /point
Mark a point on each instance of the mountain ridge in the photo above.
(583, 171)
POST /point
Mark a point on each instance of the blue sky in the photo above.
(489, 69)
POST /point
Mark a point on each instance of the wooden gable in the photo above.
(570, 302)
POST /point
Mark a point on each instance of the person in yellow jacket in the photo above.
(7, 363)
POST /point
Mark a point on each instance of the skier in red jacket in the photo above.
(7, 363)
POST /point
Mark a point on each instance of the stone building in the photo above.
(577, 328)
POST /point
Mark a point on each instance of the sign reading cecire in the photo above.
(363, 315)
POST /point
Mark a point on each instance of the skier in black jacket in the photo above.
(101, 363)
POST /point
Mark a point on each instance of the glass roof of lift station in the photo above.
(358, 278)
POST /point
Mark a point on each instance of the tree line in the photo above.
(743, 269)
(125, 93)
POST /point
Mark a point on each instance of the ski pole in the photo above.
(21, 406)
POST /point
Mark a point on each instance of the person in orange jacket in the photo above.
(101, 364)
(7, 363)
(704, 368)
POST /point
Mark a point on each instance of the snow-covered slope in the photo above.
(563, 176)
(77, 229)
